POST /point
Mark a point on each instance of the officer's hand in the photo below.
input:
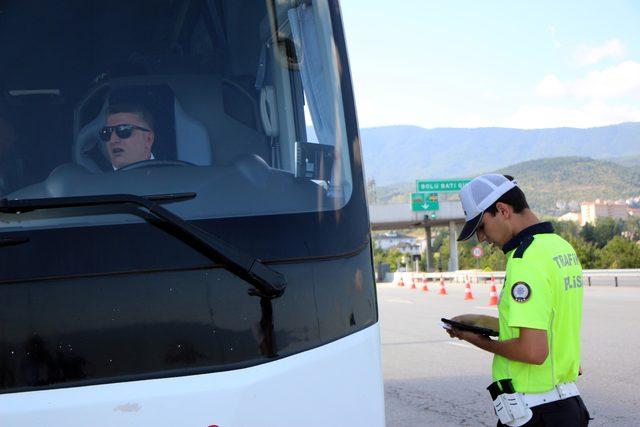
(456, 333)
(465, 318)
(451, 332)
(468, 336)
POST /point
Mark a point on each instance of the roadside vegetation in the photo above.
(609, 244)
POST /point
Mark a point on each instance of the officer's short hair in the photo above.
(133, 109)
(514, 198)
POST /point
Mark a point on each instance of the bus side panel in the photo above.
(339, 381)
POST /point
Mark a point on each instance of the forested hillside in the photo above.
(552, 184)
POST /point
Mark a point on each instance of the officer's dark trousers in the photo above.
(562, 413)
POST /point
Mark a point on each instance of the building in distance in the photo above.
(571, 216)
(590, 211)
(405, 243)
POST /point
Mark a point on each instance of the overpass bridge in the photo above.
(395, 216)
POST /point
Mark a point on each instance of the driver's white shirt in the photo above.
(150, 158)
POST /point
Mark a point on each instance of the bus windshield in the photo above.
(236, 101)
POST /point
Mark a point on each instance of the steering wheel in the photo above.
(152, 163)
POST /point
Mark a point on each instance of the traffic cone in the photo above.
(493, 295)
(425, 288)
(467, 292)
(400, 282)
(413, 283)
(443, 291)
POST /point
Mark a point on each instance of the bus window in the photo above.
(218, 97)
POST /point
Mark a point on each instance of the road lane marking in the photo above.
(403, 301)
(423, 342)
(459, 344)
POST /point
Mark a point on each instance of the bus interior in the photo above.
(246, 111)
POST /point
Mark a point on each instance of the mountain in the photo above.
(554, 185)
(397, 154)
(549, 182)
(626, 160)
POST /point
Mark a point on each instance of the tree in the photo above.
(392, 257)
(632, 226)
(587, 252)
(492, 259)
(444, 254)
(605, 230)
(566, 228)
(588, 233)
(620, 253)
(442, 235)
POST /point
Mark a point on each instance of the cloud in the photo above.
(588, 115)
(589, 55)
(551, 87)
(618, 81)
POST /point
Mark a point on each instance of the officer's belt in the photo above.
(559, 392)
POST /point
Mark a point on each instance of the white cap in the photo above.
(478, 195)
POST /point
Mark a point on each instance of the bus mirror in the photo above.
(314, 161)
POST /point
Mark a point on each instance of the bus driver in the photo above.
(128, 134)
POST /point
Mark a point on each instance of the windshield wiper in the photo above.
(12, 241)
(266, 281)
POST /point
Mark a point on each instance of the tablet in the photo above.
(470, 328)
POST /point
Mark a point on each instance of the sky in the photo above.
(520, 64)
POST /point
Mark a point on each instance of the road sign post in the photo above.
(440, 186)
(424, 202)
(426, 199)
(477, 251)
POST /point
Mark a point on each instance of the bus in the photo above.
(184, 234)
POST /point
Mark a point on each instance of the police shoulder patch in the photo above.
(521, 292)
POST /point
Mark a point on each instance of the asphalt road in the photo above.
(431, 379)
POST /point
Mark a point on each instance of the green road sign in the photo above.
(447, 186)
(424, 202)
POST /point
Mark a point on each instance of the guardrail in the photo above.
(620, 277)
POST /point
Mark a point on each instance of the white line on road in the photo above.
(459, 344)
(403, 301)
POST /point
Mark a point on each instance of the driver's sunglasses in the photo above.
(123, 131)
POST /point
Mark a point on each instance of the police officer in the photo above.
(537, 353)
